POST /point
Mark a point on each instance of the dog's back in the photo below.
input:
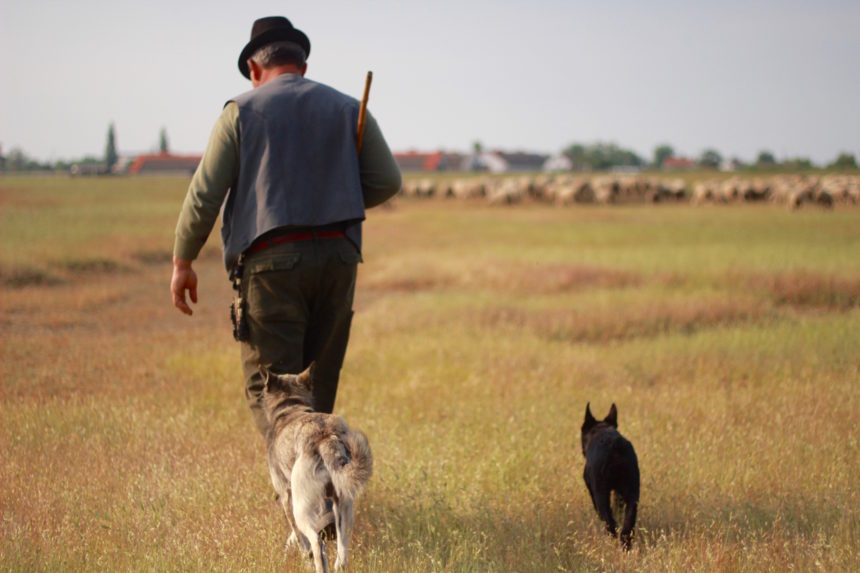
(610, 465)
(341, 456)
(611, 458)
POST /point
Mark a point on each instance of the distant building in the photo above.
(436, 161)
(733, 164)
(522, 161)
(417, 161)
(164, 164)
(504, 162)
(123, 162)
(558, 163)
(678, 164)
(484, 161)
(492, 161)
(88, 168)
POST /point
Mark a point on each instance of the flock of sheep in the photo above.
(565, 189)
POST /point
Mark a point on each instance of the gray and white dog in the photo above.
(315, 461)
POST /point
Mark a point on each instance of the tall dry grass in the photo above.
(728, 339)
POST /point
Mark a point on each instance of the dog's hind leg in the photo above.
(306, 522)
(317, 547)
(590, 493)
(344, 512)
(307, 492)
(604, 509)
(629, 524)
(283, 497)
(296, 538)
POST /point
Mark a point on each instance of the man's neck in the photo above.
(269, 74)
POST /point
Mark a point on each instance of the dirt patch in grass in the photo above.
(624, 323)
(21, 197)
(408, 283)
(805, 289)
(558, 278)
(21, 277)
(153, 258)
(507, 277)
(93, 266)
(672, 280)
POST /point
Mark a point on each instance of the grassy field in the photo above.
(728, 337)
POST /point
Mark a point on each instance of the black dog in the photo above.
(610, 465)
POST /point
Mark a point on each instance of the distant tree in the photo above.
(477, 147)
(844, 161)
(111, 155)
(798, 163)
(600, 156)
(661, 153)
(17, 160)
(625, 157)
(710, 159)
(609, 155)
(576, 154)
(765, 159)
(162, 141)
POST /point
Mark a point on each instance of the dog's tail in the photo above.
(348, 461)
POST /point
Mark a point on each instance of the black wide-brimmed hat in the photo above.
(268, 30)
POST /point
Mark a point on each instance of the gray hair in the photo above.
(279, 54)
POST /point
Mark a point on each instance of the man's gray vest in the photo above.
(298, 164)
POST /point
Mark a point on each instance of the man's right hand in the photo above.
(184, 278)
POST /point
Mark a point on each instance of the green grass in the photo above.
(55, 222)
(727, 337)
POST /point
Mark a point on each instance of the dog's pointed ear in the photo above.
(306, 378)
(612, 417)
(589, 419)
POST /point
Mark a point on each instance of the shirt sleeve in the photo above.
(215, 174)
(380, 174)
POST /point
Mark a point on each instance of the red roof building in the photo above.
(417, 161)
(164, 164)
(678, 163)
(435, 161)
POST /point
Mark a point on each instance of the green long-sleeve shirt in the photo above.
(219, 167)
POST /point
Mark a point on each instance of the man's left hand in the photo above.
(184, 278)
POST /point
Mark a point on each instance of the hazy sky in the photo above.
(782, 75)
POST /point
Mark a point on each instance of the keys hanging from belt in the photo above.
(237, 307)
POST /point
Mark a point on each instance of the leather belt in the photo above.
(264, 243)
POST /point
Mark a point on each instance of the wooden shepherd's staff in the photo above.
(362, 112)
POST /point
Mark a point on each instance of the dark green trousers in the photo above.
(299, 309)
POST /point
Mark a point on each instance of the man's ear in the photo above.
(304, 69)
(255, 71)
